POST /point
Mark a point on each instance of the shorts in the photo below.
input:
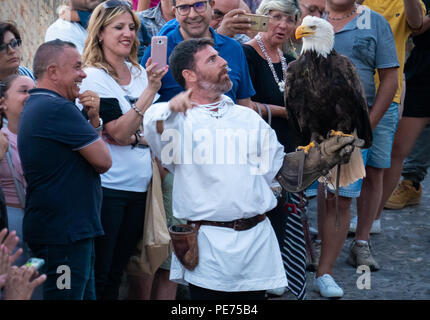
(351, 191)
(377, 156)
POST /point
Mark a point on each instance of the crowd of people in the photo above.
(80, 131)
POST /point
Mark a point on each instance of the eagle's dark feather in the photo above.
(324, 94)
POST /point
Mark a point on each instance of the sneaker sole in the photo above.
(328, 297)
(395, 206)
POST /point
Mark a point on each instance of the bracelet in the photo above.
(137, 110)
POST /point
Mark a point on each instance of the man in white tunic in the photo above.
(224, 158)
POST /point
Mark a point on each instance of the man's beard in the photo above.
(219, 87)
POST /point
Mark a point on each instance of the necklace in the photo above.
(345, 16)
(281, 84)
(216, 109)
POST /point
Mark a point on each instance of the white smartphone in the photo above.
(35, 262)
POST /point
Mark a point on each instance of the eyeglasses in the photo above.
(218, 15)
(185, 9)
(117, 3)
(14, 43)
(314, 9)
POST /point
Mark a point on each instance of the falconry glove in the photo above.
(300, 169)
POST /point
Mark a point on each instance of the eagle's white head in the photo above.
(317, 34)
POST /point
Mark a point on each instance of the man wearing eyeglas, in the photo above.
(194, 18)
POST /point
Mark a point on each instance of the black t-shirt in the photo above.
(267, 91)
(64, 194)
(417, 67)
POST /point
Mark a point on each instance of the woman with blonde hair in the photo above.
(110, 62)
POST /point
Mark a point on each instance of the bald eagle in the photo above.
(324, 95)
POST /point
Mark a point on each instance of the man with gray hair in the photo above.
(62, 156)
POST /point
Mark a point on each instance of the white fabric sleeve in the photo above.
(172, 123)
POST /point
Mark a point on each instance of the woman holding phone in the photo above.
(267, 67)
(110, 62)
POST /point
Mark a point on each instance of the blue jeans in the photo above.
(79, 258)
(416, 164)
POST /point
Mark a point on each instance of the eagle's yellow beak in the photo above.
(303, 31)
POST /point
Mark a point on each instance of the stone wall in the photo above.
(32, 18)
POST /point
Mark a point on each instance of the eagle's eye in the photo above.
(313, 27)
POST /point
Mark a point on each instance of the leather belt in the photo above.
(238, 225)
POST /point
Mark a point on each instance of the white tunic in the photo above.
(223, 168)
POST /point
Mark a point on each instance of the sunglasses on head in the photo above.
(14, 43)
(117, 3)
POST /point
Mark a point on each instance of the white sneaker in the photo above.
(277, 291)
(376, 226)
(327, 287)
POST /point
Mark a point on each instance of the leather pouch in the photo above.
(185, 245)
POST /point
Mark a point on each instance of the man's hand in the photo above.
(233, 24)
(4, 145)
(66, 13)
(91, 102)
(19, 285)
(181, 102)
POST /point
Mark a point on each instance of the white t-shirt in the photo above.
(210, 186)
(67, 31)
(131, 167)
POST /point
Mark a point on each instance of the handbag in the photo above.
(154, 247)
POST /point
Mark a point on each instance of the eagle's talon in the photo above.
(339, 133)
(307, 148)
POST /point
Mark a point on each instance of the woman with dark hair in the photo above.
(110, 62)
(10, 52)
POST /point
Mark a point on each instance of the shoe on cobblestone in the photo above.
(277, 291)
(376, 226)
(359, 254)
(404, 195)
(327, 287)
(313, 266)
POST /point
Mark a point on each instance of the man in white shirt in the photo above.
(224, 158)
(73, 32)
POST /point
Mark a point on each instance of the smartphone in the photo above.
(35, 262)
(159, 51)
(258, 22)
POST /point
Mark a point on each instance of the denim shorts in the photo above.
(351, 191)
(378, 155)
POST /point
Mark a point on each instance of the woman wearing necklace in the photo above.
(267, 67)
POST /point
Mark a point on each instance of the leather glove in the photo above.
(301, 169)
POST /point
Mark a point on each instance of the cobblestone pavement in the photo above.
(401, 249)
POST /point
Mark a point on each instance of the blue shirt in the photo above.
(229, 49)
(367, 40)
(63, 199)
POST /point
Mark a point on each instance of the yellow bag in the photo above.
(154, 247)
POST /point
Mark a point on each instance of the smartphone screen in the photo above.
(159, 51)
